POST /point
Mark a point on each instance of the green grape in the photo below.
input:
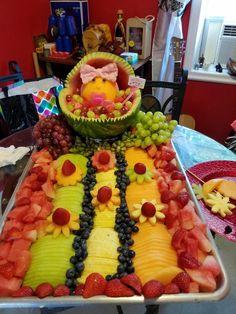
(143, 133)
(116, 113)
(90, 114)
(173, 122)
(154, 136)
(139, 125)
(162, 132)
(149, 114)
(160, 139)
(149, 123)
(140, 115)
(118, 105)
(155, 127)
(137, 142)
(148, 141)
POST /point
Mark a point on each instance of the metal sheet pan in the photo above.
(34, 302)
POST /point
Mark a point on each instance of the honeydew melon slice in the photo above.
(70, 197)
(50, 261)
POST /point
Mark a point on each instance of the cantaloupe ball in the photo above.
(99, 86)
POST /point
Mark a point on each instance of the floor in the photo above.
(227, 252)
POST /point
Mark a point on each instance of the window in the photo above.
(211, 40)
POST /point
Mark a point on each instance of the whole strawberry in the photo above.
(61, 290)
(153, 289)
(132, 281)
(44, 290)
(95, 284)
(115, 288)
(182, 280)
(79, 289)
(23, 292)
(171, 288)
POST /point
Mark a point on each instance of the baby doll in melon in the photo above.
(97, 91)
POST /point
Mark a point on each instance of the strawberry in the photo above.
(140, 168)
(23, 292)
(95, 284)
(169, 167)
(104, 157)
(177, 175)
(167, 196)
(185, 260)
(61, 216)
(36, 169)
(182, 280)
(7, 270)
(79, 289)
(182, 198)
(44, 290)
(104, 194)
(115, 288)
(153, 289)
(36, 185)
(42, 177)
(132, 281)
(61, 290)
(148, 209)
(68, 168)
(171, 288)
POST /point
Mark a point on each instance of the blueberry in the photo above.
(73, 260)
(69, 283)
(120, 269)
(70, 273)
(130, 269)
(121, 258)
(130, 242)
(135, 229)
(79, 267)
(131, 253)
(108, 277)
(76, 245)
(78, 252)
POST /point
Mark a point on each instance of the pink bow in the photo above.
(108, 72)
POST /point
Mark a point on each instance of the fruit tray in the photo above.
(67, 301)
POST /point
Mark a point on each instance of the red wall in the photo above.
(212, 105)
(19, 21)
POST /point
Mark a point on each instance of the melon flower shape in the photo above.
(105, 197)
(68, 174)
(139, 173)
(103, 160)
(62, 221)
(148, 210)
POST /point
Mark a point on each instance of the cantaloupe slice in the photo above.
(227, 188)
(136, 192)
(134, 155)
(155, 258)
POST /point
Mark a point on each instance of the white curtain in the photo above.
(168, 25)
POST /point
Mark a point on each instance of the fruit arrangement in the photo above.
(104, 209)
(111, 224)
(217, 194)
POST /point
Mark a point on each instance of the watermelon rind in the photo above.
(96, 127)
